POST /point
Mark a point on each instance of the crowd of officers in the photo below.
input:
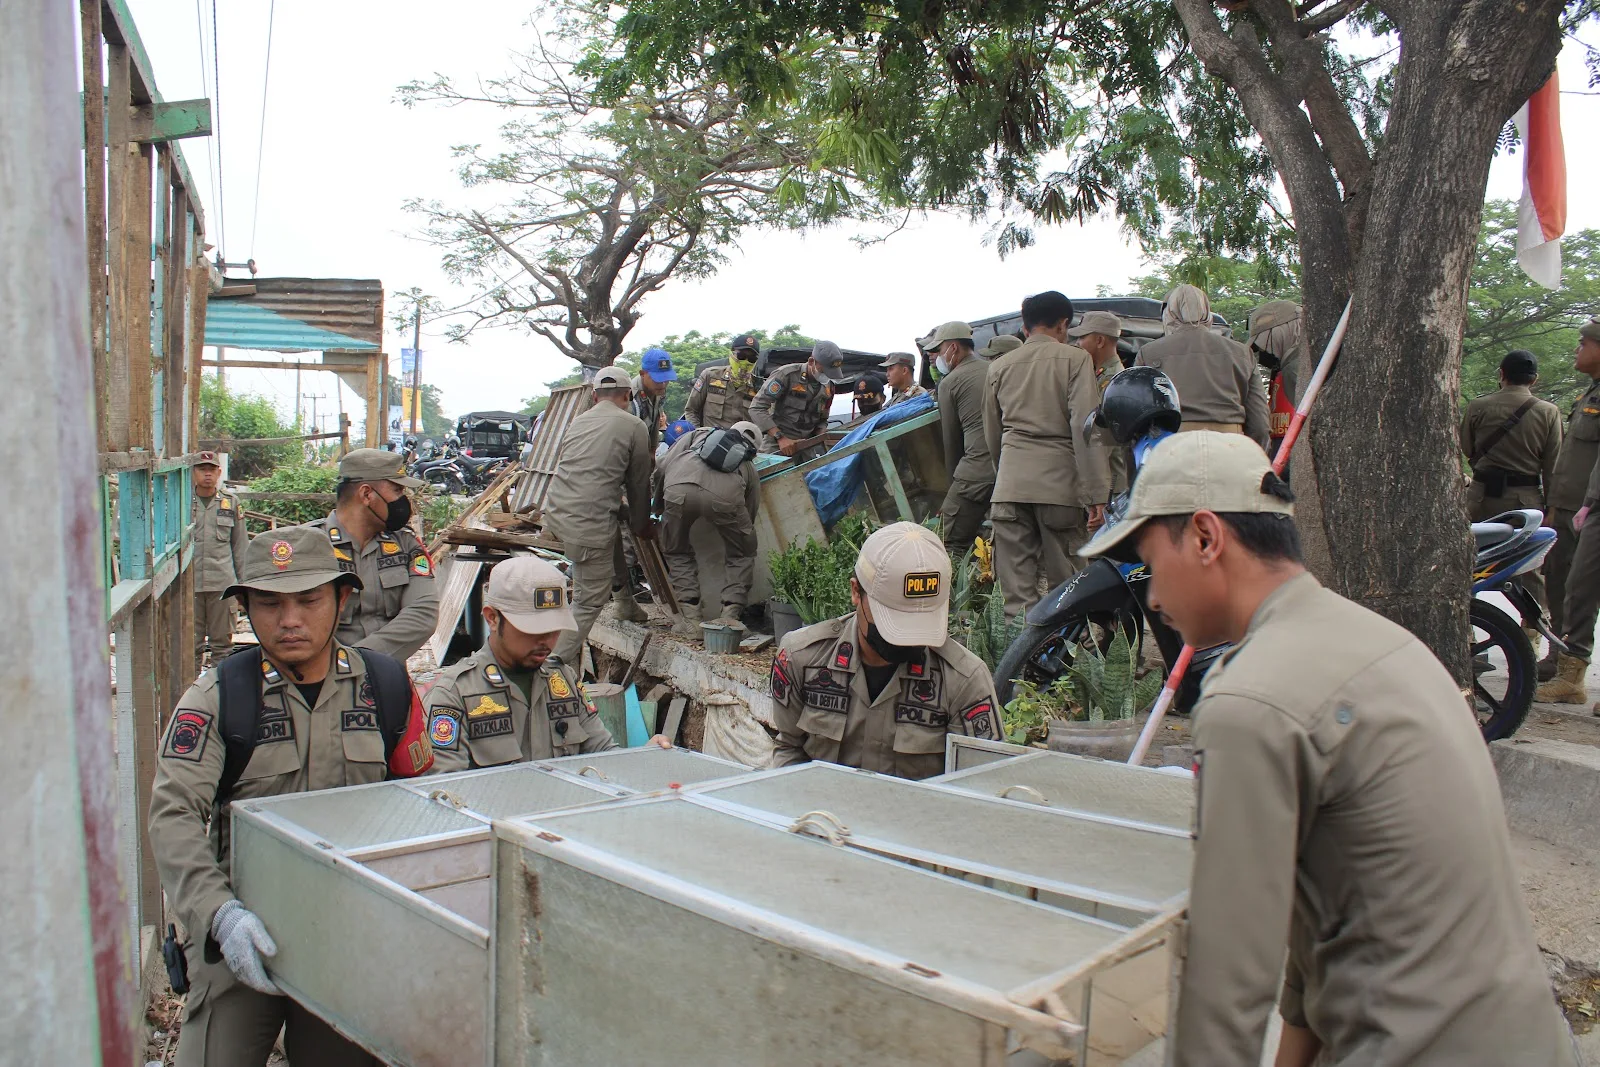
(1342, 792)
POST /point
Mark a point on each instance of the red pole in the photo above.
(1279, 461)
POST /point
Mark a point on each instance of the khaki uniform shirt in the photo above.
(1119, 454)
(606, 454)
(298, 748)
(219, 541)
(682, 466)
(718, 399)
(822, 710)
(397, 607)
(1036, 401)
(966, 450)
(793, 403)
(1529, 448)
(1345, 795)
(478, 718)
(648, 411)
(1216, 378)
(914, 390)
(1570, 482)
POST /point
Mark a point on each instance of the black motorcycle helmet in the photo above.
(1134, 401)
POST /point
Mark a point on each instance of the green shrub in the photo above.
(815, 578)
(243, 416)
(297, 479)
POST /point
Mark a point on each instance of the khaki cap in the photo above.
(904, 571)
(751, 431)
(1102, 322)
(905, 358)
(1000, 345)
(531, 594)
(290, 559)
(206, 459)
(377, 465)
(613, 378)
(1190, 472)
(1590, 331)
(950, 331)
(1272, 314)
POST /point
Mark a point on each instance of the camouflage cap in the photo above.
(290, 559)
(1590, 331)
(377, 465)
(1000, 345)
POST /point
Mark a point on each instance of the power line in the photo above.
(216, 113)
(205, 84)
(266, 74)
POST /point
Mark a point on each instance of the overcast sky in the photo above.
(341, 156)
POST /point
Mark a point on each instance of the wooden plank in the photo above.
(377, 408)
(94, 203)
(503, 539)
(195, 337)
(137, 237)
(160, 238)
(147, 689)
(303, 498)
(459, 580)
(175, 353)
(114, 414)
(223, 442)
(171, 120)
(268, 364)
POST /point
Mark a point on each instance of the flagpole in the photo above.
(1280, 460)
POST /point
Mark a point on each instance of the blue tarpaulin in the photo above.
(834, 486)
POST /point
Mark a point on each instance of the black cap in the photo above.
(1519, 363)
(745, 340)
(869, 385)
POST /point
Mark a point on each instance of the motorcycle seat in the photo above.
(1487, 535)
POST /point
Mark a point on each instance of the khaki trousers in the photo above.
(213, 621)
(1218, 427)
(1582, 600)
(965, 507)
(1481, 508)
(228, 1024)
(1033, 541)
(685, 505)
(1558, 564)
(592, 571)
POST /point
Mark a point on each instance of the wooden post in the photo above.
(377, 403)
(175, 356)
(199, 291)
(94, 154)
(136, 287)
(344, 435)
(114, 413)
(67, 965)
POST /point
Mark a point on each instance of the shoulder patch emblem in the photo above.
(224, 503)
(389, 545)
(342, 555)
(780, 676)
(776, 388)
(981, 722)
(421, 565)
(186, 737)
(487, 705)
(270, 673)
(841, 657)
(442, 730)
(559, 689)
(491, 672)
(342, 661)
(335, 534)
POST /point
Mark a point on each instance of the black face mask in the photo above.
(399, 513)
(869, 407)
(891, 652)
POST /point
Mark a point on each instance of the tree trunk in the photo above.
(1387, 474)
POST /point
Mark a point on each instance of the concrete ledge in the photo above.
(1551, 791)
(688, 668)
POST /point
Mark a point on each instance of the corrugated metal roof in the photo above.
(349, 306)
(236, 323)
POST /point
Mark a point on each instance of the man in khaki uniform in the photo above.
(1097, 333)
(1344, 795)
(1572, 570)
(605, 455)
(396, 607)
(650, 392)
(900, 368)
(793, 405)
(881, 687)
(1051, 481)
(721, 396)
(1216, 377)
(690, 488)
(999, 345)
(966, 449)
(317, 727)
(219, 543)
(512, 700)
(1512, 438)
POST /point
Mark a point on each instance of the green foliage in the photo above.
(296, 479)
(1026, 718)
(1506, 309)
(1099, 686)
(438, 510)
(1235, 285)
(983, 626)
(244, 416)
(813, 577)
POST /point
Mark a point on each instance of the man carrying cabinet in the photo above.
(1343, 795)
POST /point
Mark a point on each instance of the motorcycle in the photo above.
(1107, 596)
(442, 471)
(480, 470)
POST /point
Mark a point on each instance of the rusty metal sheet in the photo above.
(566, 404)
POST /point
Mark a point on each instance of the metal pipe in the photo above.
(68, 966)
(1170, 691)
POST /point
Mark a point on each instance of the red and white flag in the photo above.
(1542, 216)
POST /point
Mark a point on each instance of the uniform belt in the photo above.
(1488, 477)
(1217, 427)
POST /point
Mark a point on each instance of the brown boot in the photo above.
(1547, 666)
(627, 608)
(687, 626)
(1567, 686)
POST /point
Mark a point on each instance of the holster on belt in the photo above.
(1495, 481)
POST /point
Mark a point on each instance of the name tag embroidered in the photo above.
(824, 691)
(497, 726)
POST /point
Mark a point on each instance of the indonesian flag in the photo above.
(1542, 216)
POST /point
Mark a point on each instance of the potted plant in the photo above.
(1091, 709)
(811, 581)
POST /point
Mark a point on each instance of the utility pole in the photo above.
(316, 427)
(416, 370)
(297, 397)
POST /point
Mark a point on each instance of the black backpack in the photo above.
(240, 694)
(725, 450)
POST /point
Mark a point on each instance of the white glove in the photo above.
(244, 940)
